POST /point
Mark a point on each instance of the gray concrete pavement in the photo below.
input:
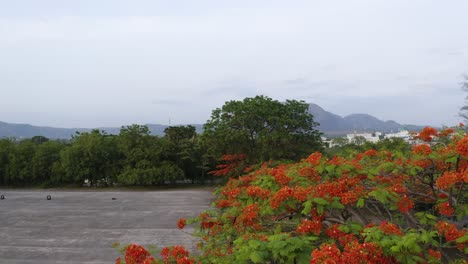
(81, 226)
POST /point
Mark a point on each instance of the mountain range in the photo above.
(330, 124)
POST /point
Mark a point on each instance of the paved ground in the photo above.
(81, 226)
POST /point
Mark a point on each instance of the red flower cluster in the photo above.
(232, 162)
(314, 158)
(446, 132)
(176, 253)
(280, 176)
(255, 191)
(281, 195)
(326, 254)
(334, 232)
(310, 173)
(370, 152)
(136, 254)
(445, 209)
(206, 221)
(422, 149)
(449, 231)
(390, 228)
(450, 178)
(307, 226)
(427, 133)
(250, 215)
(462, 146)
(354, 253)
(181, 223)
(405, 204)
(423, 163)
(336, 161)
(434, 254)
(224, 203)
(348, 189)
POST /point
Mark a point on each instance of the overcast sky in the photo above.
(89, 63)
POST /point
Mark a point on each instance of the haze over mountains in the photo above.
(330, 124)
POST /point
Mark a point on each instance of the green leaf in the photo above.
(433, 217)
(355, 228)
(320, 209)
(452, 160)
(337, 205)
(330, 168)
(256, 257)
(278, 229)
(360, 203)
(395, 249)
(307, 207)
(254, 244)
(320, 201)
(303, 257)
(462, 239)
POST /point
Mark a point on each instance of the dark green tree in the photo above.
(39, 139)
(20, 166)
(263, 129)
(145, 158)
(91, 157)
(6, 147)
(46, 155)
(182, 148)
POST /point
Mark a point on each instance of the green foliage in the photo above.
(263, 129)
(373, 206)
(134, 157)
(84, 159)
(47, 155)
(6, 148)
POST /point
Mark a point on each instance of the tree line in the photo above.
(133, 157)
(259, 128)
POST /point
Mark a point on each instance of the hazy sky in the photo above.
(89, 63)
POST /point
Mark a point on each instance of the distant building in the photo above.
(403, 134)
(370, 137)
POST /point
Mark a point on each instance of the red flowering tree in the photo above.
(373, 207)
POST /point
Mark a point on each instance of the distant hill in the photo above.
(330, 124)
(28, 131)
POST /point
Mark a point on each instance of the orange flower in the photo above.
(462, 146)
(405, 204)
(224, 203)
(181, 223)
(255, 191)
(390, 229)
(314, 158)
(427, 133)
(326, 254)
(447, 180)
(307, 226)
(448, 230)
(445, 209)
(135, 254)
(434, 253)
(422, 149)
(446, 132)
(370, 152)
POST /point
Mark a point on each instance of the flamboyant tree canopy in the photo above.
(377, 206)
